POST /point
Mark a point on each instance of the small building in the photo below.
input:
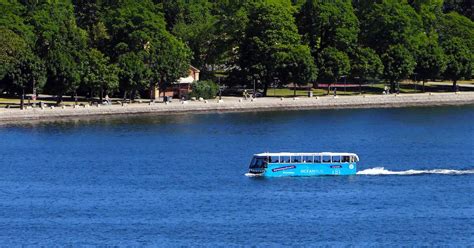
(182, 87)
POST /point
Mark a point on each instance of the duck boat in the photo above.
(303, 164)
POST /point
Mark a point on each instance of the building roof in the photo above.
(185, 80)
(194, 68)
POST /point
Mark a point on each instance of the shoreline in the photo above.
(236, 104)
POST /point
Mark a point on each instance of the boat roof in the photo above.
(265, 154)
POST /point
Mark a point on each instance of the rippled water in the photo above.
(180, 180)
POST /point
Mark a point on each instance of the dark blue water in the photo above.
(179, 180)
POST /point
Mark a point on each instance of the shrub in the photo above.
(206, 89)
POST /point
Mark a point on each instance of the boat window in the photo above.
(257, 162)
(346, 159)
(307, 159)
(317, 159)
(326, 159)
(336, 159)
(295, 159)
(354, 159)
(285, 159)
(274, 159)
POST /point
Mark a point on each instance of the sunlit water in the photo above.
(180, 180)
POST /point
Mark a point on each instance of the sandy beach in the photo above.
(238, 104)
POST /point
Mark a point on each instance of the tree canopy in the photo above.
(272, 45)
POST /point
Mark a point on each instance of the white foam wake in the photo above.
(383, 171)
(252, 175)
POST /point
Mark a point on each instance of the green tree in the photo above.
(89, 16)
(169, 60)
(133, 26)
(28, 72)
(87, 12)
(16, 36)
(61, 44)
(12, 46)
(13, 18)
(456, 36)
(398, 64)
(365, 64)
(459, 60)
(20, 68)
(430, 61)
(296, 66)
(333, 65)
(205, 89)
(99, 74)
(230, 29)
(454, 25)
(389, 23)
(133, 73)
(138, 31)
(193, 22)
(430, 12)
(463, 7)
(270, 38)
(328, 24)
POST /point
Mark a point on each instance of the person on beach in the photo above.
(245, 94)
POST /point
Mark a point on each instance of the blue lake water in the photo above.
(179, 180)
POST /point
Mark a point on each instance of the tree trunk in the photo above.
(59, 99)
(132, 96)
(22, 99)
(34, 91)
(455, 85)
(161, 87)
(294, 89)
(101, 92)
(124, 95)
(265, 90)
(151, 91)
(423, 88)
(329, 88)
(392, 87)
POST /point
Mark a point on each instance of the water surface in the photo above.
(179, 180)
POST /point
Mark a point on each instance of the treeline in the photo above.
(127, 47)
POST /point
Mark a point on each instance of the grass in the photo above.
(285, 92)
(8, 101)
(371, 89)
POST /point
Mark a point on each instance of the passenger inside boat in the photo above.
(346, 159)
(258, 163)
(326, 159)
(317, 159)
(307, 159)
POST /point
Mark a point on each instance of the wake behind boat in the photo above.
(303, 164)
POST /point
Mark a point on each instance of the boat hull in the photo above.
(307, 169)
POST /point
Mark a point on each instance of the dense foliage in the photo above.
(127, 47)
(206, 89)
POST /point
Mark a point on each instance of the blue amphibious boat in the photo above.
(303, 164)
